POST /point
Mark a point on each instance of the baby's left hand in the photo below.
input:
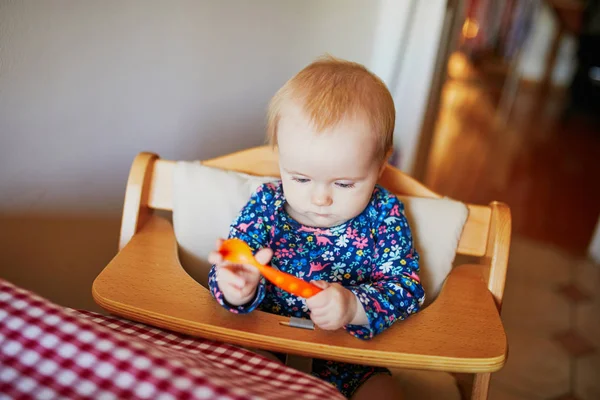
(333, 307)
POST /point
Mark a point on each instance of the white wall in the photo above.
(404, 55)
(533, 61)
(85, 85)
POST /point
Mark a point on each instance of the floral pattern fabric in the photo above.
(372, 255)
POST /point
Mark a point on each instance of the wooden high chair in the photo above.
(460, 332)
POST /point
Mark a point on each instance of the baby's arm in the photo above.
(394, 291)
(240, 289)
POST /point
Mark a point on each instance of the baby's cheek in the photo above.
(353, 204)
(291, 194)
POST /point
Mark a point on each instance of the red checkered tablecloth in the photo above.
(48, 352)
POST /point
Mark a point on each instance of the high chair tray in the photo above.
(460, 332)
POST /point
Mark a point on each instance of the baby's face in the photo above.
(328, 177)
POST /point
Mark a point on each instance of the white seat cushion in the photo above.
(206, 200)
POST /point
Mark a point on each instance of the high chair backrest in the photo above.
(486, 233)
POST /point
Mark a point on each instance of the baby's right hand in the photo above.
(238, 282)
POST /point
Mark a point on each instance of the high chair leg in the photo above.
(481, 385)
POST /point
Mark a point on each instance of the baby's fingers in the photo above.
(321, 284)
(215, 258)
(226, 274)
(247, 290)
(263, 256)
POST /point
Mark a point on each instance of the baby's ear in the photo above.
(384, 162)
(382, 168)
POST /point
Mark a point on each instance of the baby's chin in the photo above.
(316, 220)
(321, 221)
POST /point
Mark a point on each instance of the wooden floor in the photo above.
(547, 171)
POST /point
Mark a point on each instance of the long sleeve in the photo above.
(252, 225)
(394, 290)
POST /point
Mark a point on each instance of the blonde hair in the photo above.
(330, 89)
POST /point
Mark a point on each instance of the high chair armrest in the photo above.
(460, 332)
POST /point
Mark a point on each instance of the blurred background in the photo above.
(496, 100)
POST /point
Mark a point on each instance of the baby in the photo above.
(327, 221)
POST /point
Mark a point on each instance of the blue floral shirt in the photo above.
(372, 255)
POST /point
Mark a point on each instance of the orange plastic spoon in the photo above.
(238, 252)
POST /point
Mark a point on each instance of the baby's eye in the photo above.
(345, 185)
(300, 180)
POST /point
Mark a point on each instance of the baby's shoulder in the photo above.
(269, 190)
(383, 203)
(383, 198)
(268, 195)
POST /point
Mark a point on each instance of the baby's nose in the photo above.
(321, 199)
